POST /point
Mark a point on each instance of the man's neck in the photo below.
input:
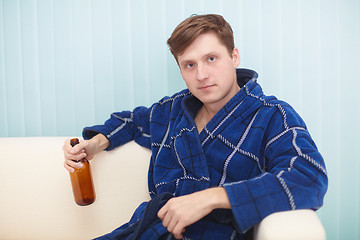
(204, 115)
(208, 111)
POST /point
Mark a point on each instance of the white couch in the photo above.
(36, 200)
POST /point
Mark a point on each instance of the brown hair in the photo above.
(189, 29)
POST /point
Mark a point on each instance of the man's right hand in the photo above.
(85, 149)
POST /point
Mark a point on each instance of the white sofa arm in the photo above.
(36, 200)
(294, 225)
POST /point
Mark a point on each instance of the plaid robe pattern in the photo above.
(257, 147)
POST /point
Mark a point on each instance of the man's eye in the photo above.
(190, 65)
(211, 59)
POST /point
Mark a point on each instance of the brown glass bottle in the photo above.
(81, 181)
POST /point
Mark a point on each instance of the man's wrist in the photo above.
(219, 198)
(101, 142)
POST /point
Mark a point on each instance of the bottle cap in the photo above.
(74, 141)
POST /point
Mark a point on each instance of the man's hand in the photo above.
(180, 212)
(85, 149)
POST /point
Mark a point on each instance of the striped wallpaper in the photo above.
(66, 64)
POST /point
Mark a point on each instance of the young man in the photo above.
(228, 154)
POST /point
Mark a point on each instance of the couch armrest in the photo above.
(297, 224)
(36, 197)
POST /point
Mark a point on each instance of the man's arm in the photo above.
(123, 127)
(119, 129)
(296, 178)
(180, 212)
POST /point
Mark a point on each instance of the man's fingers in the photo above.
(166, 221)
(174, 226)
(77, 157)
(178, 231)
(77, 149)
(70, 169)
(161, 213)
(69, 165)
(180, 236)
(171, 225)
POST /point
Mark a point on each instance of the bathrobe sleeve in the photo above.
(294, 175)
(123, 127)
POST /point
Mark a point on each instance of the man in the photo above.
(228, 154)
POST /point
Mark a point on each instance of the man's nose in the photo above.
(202, 72)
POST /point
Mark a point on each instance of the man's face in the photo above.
(209, 71)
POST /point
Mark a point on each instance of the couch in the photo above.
(36, 200)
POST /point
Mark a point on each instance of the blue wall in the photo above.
(68, 64)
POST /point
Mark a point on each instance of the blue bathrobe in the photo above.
(256, 147)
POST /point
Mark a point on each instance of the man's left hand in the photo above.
(180, 212)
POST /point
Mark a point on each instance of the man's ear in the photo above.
(236, 57)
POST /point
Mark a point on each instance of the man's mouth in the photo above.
(206, 87)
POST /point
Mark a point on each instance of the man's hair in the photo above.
(191, 28)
